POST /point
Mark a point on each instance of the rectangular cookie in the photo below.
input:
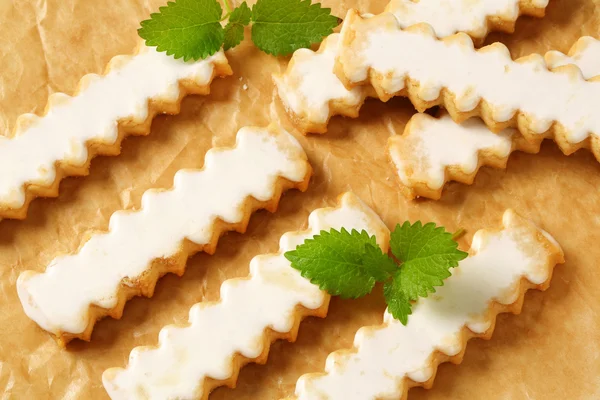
(141, 246)
(524, 93)
(104, 110)
(312, 93)
(223, 336)
(389, 359)
(433, 151)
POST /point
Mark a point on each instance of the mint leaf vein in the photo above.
(343, 263)
(188, 29)
(282, 26)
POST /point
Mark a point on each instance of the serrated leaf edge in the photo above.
(161, 49)
(292, 256)
(292, 48)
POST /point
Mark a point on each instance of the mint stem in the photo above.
(458, 234)
(227, 7)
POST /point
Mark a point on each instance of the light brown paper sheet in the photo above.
(550, 351)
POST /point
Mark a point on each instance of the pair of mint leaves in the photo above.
(349, 264)
(193, 29)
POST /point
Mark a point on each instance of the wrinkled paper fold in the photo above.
(47, 46)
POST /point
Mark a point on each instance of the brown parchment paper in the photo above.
(550, 351)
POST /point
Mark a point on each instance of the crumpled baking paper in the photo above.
(550, 351)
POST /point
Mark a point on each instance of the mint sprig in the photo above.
(348, 264)
(234, 30)
(192, 29)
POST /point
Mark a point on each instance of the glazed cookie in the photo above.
(141, 246)
(104, 110)
(391, 358)
(223, 336)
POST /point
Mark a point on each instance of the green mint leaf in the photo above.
(282, 26)
(398, 304)
(427, 253)
(234, 31)
(188, 29)
(346, 264)
(382, 265)
(241, 15)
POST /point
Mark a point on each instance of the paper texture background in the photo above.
(550, 351)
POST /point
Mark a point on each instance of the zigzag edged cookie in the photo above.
(223, 336)
(104, 110)
(141, 246)
(312, 93)
(585, 54)
(487, 83)
(475, 18)
(391, 358)
(433, 151)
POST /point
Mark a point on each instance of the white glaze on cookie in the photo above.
(384, 356)
(448, 17)
(431, 150)
(423, 152)
(375, 50)
(585, 54)
(62, 135)
(309, 85)
(59, 299)
(311, 91)
(268, 298)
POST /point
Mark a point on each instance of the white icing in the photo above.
(387, 354)
(217, 331)
(450, 16)
(585, 55)
(432, 144)
(309, 84)
(92, 115)
(58, 299)
(506, 85)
